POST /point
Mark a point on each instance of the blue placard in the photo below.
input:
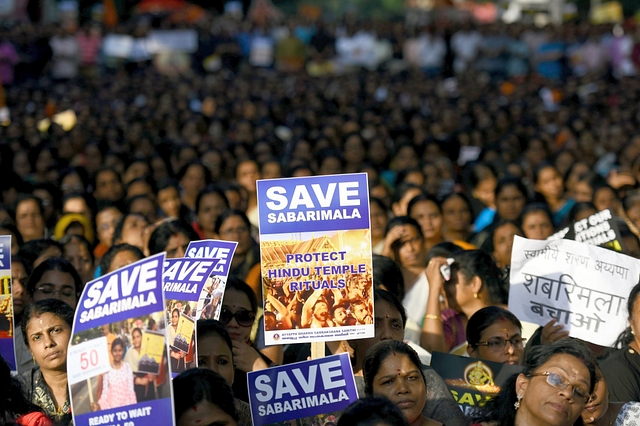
(303, 389)
(7, 316)
(184, 278)
(313, 204)
(214, 249)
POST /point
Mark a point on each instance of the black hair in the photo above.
(479, 263)
(488, 244)
(380, 294)
(580, 207)
(373, 411)
(207, 327)
(239, 285)
(231, 213)
(444, 249)
(536, 208)
(208, 191)
(47, 306)
(13, 403)
(107, 259)
(387, 272)
(484, 318)
(378, 353)
(80, 239)
(539, 168)
(28, 267)
(500, 408)
(162, 234)
(198, 384)
(511, 181)
(630, 200)
(185, 168)
(31, 250)
(627, 335)
(54, 264)
(403, 174)
(401, 190)
(117, 233)
(28, 197)
(102, 170)
(404, 220)
(167, 183)
(14, 231)
(377, 201)
(144, 179)
(118, 342)
(420, 198)
(460, 195)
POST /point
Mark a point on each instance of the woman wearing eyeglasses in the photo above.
(55, 278)
(552, 390)
(239, 307)
(495, 334)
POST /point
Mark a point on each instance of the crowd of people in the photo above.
(469, 136)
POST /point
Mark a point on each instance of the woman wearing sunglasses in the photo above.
(238, 314)
(495, 334)
(552, 390)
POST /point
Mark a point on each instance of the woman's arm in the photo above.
(432, 338)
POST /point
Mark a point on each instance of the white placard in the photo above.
(172, 41)
(585, 287)
(88, 359)
(117, 45)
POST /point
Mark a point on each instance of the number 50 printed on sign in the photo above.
(92, 357)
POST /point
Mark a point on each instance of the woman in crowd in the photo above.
(548, 183)
(20, 272)
(172, 237)
(47, 330)
(499, 242)
(379, 219)
(247, 173)
(14, 407)
(393, 370)
(475, 282)
(426, 211)
(401, 196)
(77, 250)
(169, 202)
(456, 212)
(372, 410)
(553, 388)
(239, 308)
(106, 221)
(16, 239)
(55, 278)
(117, 388)
(511, 197)
(30, 218)
(483, 181)
(537, 222)
(37, 251)
(210, 204)
(193, 178)
(601, 411)
(495, 334)
(621, 368)
(142, 383)
(233, 225)
(215, 352)
(203, 397)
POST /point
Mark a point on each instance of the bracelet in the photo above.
(434, 317)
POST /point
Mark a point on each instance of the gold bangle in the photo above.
(434, 317)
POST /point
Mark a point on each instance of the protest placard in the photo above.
(172, 40)
(107, 387)
(471, 382)
(584, 287)
(315, 248)
(302, 389)
(183, 281)
(7, 322)
(210, 298)
(599, 229)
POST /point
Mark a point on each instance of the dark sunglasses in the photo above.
(243, 318)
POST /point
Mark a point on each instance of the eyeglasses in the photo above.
(556, 380)
(499, 343)
(234, 231)
(50, 289)
(243, 318)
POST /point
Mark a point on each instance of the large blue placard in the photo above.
(303, 389)
(313, 204)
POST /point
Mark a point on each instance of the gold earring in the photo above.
(475, 295)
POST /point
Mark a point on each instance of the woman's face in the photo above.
(18, 284)
(501, 331)
(121, 259)
(605, 198)
(428, 215)
(247, 175)
(205, 413)
(379, 220)
(169, 201)
(211, 206)
(485, 191)
(136, 339)
(544, 404)
(599, 401)
(193, 180)
(106, 222)
(118, 352)
(456, 215)
(235, 229)
(503, 243)
(56, 285)
(133, 231)
(235, 301)
(410, 248)
(214, 354)
(79, 256)
(177, 246)
(633, 212)
(510, 202)
(537, 226)
(48, 336)
(582, 193)
(550, 183)
(72, 183)
(400, 380)
(29, 220)
(175, 316)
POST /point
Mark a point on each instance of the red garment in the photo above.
(34, 419)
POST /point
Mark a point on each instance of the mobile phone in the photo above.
(445, 269)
